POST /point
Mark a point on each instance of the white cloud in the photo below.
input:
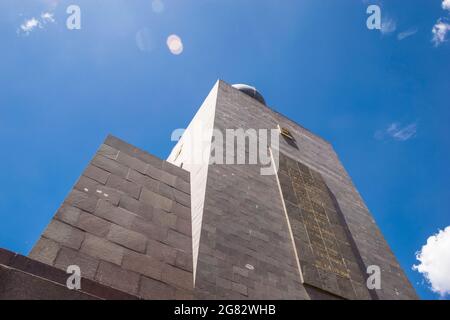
(402, 134)
(397, 132)
(388, 25)
(31, 24)
(434, 262)
(407, 33)
(439, 31)
(48, 17)
(446, 4)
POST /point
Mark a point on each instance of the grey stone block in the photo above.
(239, 288)
(143, 264)
(182, 198)
(156, 290)
(153, 199)
(149, 229)
(154, 172)
(100, 248)
(168, 178)
(133, 151)
(177, 277)
(183, 186)
(96, 174)
(177, 171)
(45, 251)
(108, 152)
(125, 186)
(110, 165)
(181, 211)
(165, 190)
(82, 200)
(223, 284)
(114, 214)
(137, 207)
(179, 241)
(68, 214)
(184, 260)
(143, 180)
(97, 190)
(181, 294)
(116, 277)
(132, 162)
(127, 238)
(184, 226)
(64, 234)
(163, 218)
(94, 225)
(161, 251)
(67, 257)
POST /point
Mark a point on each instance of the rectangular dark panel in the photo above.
(328, 260)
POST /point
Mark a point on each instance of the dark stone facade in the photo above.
(245, 247)
(146, 228)
(327, 257)
(126, 224)
(24, 278)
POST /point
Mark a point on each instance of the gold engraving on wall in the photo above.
(320, 239)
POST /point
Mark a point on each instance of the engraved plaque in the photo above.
(327, 260)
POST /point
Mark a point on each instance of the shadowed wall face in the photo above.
(126, 224)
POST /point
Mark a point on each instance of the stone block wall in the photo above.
(22, 278)
(245, 248)
(127, 224)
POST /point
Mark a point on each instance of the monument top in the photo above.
(251, 91)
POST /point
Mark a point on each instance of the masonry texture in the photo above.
(193, 228)
(245, 247)
(24, 278)
(327, 257)
(126, 224)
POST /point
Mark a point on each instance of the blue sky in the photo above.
(380, 97)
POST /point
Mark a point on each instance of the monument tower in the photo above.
(301, 233)
(216, 220)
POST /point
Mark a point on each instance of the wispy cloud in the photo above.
(405, 34)
(48, 17)
(434, 262)
(388, 25)
(439, 31)
(397, 132)
(34, 23)
(29, 25)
